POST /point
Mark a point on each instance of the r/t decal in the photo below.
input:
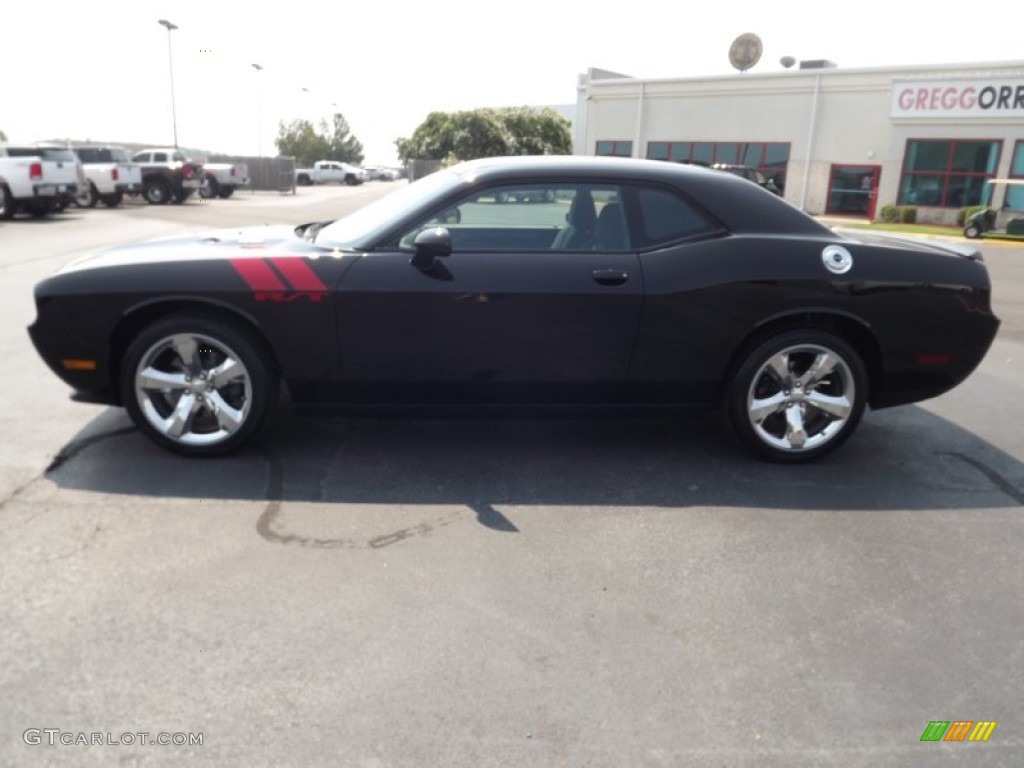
(280, 279)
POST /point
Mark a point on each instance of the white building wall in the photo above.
(829, 116)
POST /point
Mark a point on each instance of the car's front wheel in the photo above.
(797, 395)
(198, 385)
(88, 197)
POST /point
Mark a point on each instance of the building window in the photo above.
(1015, 192)
(947, 174)
(769, 157)
(615, 148)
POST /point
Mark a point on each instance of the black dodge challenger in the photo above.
(536, 282)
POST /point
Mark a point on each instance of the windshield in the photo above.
(363, 227)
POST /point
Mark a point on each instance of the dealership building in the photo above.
(835, 141)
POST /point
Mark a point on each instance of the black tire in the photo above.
(304, 180)
(351, 180)
(156, 192)
(114, 200)
(88, 198)
(244, 400)
(7, 205)
(226, 192)
(972, 231)
(39, 209)
(766, 429)
(210, 188)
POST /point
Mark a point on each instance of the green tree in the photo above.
(456, 136)
(308, 143)
(344, 146)
(3, 136)
(538, 131)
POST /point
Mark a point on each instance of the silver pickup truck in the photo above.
(36, 180)
(110, 173)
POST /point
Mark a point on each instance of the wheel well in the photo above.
(131, 324)
(854, 332)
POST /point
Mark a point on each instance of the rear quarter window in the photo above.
(664, 217)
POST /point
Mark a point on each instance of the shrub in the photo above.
(908, 214)
(966, 212)
(888, 213)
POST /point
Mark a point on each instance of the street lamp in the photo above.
(170, 63)
(259, 112)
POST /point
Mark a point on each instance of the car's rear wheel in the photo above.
(39, 209)
(797, 395)
(157, 192)
(113, 200)
(6, 203)
(198, 385)
(210, 188)
(972, 231)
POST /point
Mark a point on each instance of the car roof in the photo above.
(738, 204)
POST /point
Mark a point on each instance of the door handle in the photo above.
(610, 276)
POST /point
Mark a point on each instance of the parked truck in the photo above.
(110, 174)
(32, 182)
(327, 171)
(222, 179)
(167, 175)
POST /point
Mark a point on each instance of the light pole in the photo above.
(259, 111)
(170, 63)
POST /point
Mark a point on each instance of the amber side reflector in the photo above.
(935, 359)
(79, 365)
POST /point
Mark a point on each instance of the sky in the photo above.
(99, 70)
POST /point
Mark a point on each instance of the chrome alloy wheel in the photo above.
(801, 398)
(193, 389)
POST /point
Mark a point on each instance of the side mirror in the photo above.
(430, 245)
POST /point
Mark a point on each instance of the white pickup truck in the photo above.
(34, 181)
(222, 179)
(326, 171)
(110, 173)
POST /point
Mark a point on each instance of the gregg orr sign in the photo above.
(959, 98)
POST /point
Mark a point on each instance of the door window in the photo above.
(533, 217)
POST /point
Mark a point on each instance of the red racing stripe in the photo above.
(257, 275)
(298, 273)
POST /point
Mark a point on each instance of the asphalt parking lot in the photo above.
(499, 592)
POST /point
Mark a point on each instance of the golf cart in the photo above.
(983, 223)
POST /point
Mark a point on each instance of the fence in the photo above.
(270, 173)
(420, 168)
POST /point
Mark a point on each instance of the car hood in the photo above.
(910, 242)
(217, 244)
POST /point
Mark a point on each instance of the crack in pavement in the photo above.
(275, 495)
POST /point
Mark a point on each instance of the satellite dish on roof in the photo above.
(745, 51)
(787, 61)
